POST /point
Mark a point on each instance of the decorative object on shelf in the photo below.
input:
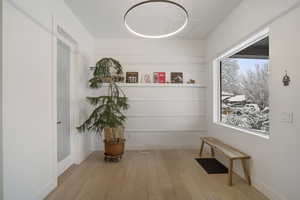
(146, 77)
(153, 2)
(191, 81)
(159, 77)
(107, 115)
(286, 79)
(132, 77)
(155, 77)
(176, 77)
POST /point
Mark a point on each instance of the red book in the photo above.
(161, 77)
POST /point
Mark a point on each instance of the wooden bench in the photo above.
(230, 153)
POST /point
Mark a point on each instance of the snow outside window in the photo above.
(244, 88)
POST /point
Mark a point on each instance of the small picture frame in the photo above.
(132, 77)
(176, 77)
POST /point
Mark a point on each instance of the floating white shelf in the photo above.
(165, 130)
(184, 85)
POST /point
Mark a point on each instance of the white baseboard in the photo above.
(154, 147)
(261, 186)
(267, 191)
(158, 140)
(64, 165)
(161, 147)
(47, 190)
(256, 182)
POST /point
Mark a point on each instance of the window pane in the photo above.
(245, 93)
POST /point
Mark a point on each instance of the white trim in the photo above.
(266, 190)
(64, 165)
(252, 132)
(53, 110)
(216, 91)
(248, 42)
(47, 189)
(63, 35)
(261, 186)
(60, 33)
(216, 80)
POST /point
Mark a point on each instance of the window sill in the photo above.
(243, 130)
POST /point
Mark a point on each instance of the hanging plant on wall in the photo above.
(108, 116)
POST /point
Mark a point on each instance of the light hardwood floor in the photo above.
(149, 175)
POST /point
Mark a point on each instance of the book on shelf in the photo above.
(132, 77)
(176, 77)
(146, 77)
(159, 77)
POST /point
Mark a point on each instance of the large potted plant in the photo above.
(107, 116)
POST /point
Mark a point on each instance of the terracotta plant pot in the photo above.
(114, 148)
(114, 143)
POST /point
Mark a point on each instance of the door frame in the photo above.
(60, 33)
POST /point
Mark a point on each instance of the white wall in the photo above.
(1, 144)
(160, 117)
(273, 160)
(29, 118)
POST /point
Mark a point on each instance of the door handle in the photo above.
(59, 122)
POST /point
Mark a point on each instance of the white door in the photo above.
(63, 103)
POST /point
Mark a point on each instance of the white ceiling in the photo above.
(104, 18)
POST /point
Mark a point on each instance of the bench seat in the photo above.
(229, 152)
(225, 149)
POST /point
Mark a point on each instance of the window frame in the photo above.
(217, 70)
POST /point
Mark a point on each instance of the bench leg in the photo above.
(230, 172)
(201, 149)
(212, 152)
(246, 171)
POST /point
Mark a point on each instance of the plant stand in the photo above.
(109, 158)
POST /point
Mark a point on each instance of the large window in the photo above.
(244, 88)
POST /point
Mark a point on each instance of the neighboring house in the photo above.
(238, 100)
(226, 95)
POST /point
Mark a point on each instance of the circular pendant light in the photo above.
(160, 35)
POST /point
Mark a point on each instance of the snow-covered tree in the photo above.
(256, 120)
(254, 84)
(230, 76)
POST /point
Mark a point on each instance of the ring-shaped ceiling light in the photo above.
(157, 36)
